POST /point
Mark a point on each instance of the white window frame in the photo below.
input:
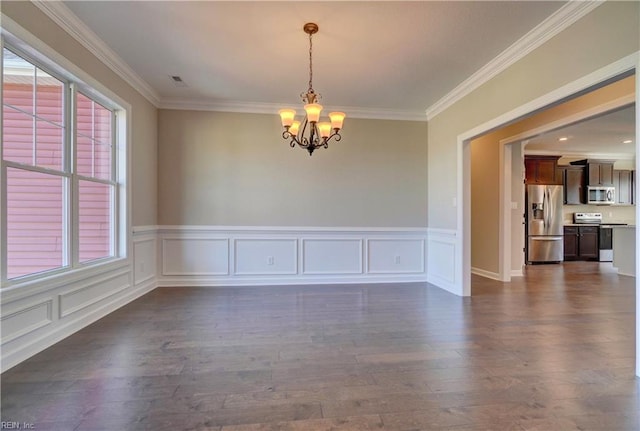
(23, 43)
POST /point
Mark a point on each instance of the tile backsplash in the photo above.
(610, 213)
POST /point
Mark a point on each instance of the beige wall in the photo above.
(485, 169)
(235, 169)
(485, 196)
(517, 198)
(607, 34)
(144, 127)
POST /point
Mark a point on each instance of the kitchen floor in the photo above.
(553, 350)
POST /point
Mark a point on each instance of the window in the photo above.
(59, 171)
(95, 185)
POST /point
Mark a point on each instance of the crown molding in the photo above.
(554, 24)
(69, 22)
(272, 108)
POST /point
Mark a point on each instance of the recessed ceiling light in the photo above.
(564, 138)
(628, 141)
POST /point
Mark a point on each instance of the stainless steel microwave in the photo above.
(600, 195)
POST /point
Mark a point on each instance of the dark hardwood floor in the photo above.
(551, 351)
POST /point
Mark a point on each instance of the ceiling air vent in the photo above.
(177, 81)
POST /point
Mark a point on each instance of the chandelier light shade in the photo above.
(314, 133)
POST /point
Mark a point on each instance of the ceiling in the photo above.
(604, 134)
(394, 56)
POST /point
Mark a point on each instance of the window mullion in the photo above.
(67, 189)
(34, 129)
(96, 180)
(3, 183)
(73, 202)
(93, 138)
(39, 169)
(3, 223)
(115, 228)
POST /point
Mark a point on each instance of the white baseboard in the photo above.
(286, 281)
(517, 273)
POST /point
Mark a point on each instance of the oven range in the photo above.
(605, 233)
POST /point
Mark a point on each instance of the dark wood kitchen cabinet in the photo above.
(574, 182)
(581, 243)
(570, 243)
(623, 182)
(540, 169)
(599, 172)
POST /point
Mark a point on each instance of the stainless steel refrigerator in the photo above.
(545, 241)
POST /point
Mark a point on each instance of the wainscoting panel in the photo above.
(393, 256)
(145, 256)
(228, 256)
(195, 256)
(442, 259)
(86, 294)
(26, 319)
(266, 256)
(332, 256)
(39, 313)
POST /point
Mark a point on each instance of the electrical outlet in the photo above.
(270, 260)
(397, 260)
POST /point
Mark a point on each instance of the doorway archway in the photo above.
(627, 65)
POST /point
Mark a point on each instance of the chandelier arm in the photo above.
(336, 135)
(304, 127)
(294, 139)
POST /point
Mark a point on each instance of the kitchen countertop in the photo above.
(612, 224)
(582, 224)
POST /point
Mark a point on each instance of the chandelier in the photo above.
(318, 134)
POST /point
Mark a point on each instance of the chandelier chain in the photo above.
(310, 63)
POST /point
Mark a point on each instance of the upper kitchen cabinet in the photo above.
(574, 185)
(599, 172)
(540, 169)
(623, 181)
